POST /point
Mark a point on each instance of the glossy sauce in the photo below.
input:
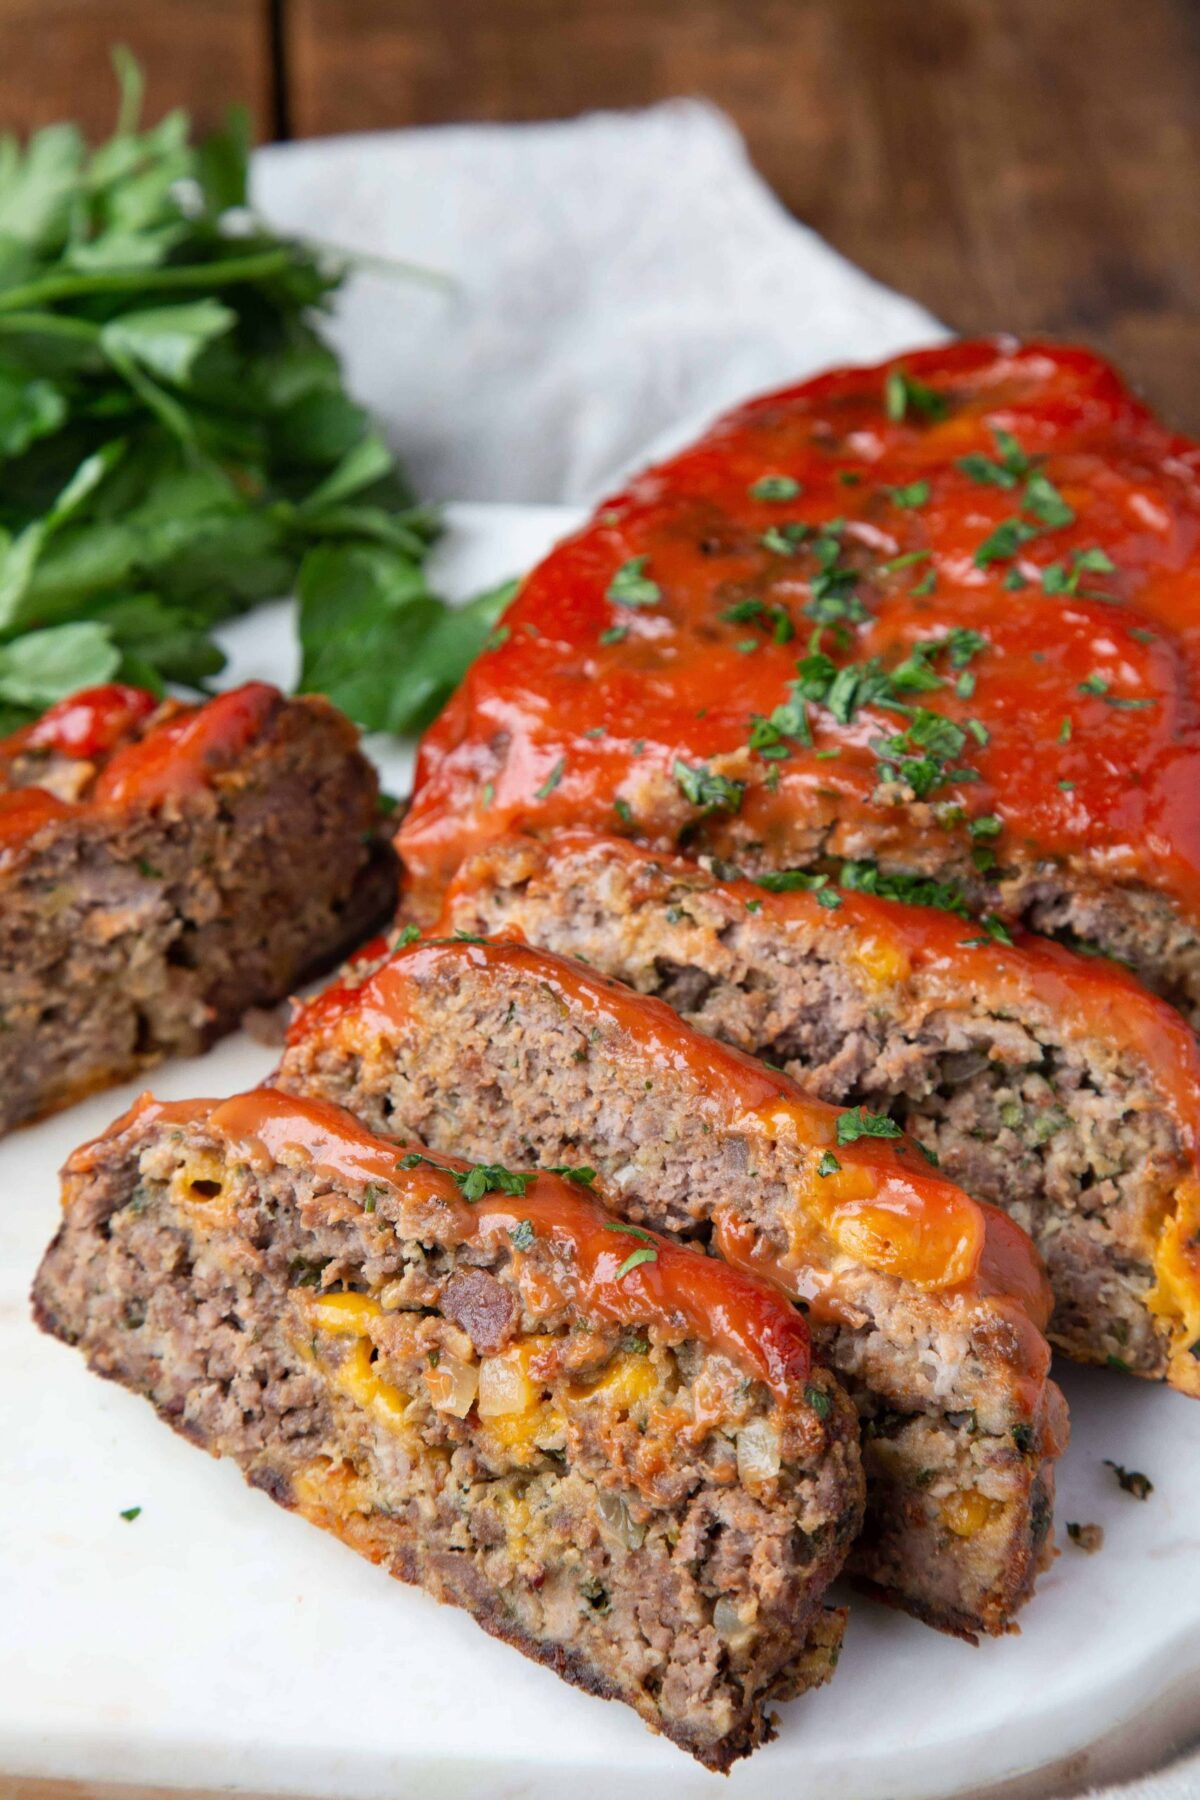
(747, 1319)
(88, 724)
(884, 1205)
(178, 754)
(556, 726)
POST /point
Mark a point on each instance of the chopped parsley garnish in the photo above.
(1095, 684)
(703, 788)
(829, 1164)
(646, 1253)
(408, 934)
(905, 561)
(1058, 579)
(791, 881)
(1004, 542)
(904, 397)
(584, 1176)
(859, 1123)
(552, 780)
(631, 586)
(1131, 1480)
(1004, 471)
(775, 619)
(614, 634)
(1064, 732)
(819, 1401)
(478, 1180)
(926, 585)
(915, 494)
(522, 1236)
(131, 1513)
(917, 757)
(984, 825)
(623, 810)
(784, 540)
(996, 932)
(913, 890)
(775, 487)
(1045, 502)
(828, 899)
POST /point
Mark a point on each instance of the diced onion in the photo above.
(758, 1456)
(504, 1387)
(727, 1621)
(615, 1518)
(452, 1385)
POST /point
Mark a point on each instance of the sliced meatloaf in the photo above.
(165, 867)
(944, 613)
(611, 1449)
(1048, 1083)
(928, 1304)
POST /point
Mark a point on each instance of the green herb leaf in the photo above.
(818, 1400)
(702, 788)
(584, 1176)
(774, 487)
(647, 1254)
(859, 1123)
(905, 397)
(631, 586)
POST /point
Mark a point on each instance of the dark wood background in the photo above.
(1030, 165)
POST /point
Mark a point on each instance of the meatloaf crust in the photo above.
(164, 868)
(943, 613)
(1048, 1083)
(613, 1451)
(928, 1305)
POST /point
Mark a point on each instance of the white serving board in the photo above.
(217, 1641)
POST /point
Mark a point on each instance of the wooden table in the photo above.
(1028, 165)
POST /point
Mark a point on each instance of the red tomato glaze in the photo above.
(1024, 495)
(180, 751)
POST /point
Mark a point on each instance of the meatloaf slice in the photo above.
(944, 613)
(610, 1449)
(163, 868)
(1048, 1083)
(928, 1304)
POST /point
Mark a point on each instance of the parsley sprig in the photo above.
(177, 444)
(478, 1180)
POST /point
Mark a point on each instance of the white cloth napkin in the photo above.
(612, 282)
(613, 277)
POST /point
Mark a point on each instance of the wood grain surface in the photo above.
(202, 54)
(1028, 165)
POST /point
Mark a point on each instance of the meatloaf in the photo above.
(944, 613)
(928, 1304)
(1048, 1083)
(165, 867)
(612, 1450)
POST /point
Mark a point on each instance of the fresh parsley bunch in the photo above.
(177, 445)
